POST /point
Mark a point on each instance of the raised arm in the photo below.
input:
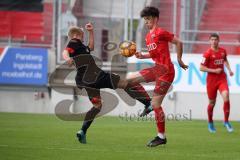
(89, 28)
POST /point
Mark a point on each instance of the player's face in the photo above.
(79, 36)
(214, 42)
(150, 21)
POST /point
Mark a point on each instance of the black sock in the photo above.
(91, 114)
(137, 91)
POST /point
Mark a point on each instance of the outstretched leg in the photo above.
(134, 89)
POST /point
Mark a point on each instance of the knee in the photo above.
(132, 80)
(129, 84)
(156, 104)
(226, 99)
(122, 84)
(97, 102)
(226, 96)
(212, 102)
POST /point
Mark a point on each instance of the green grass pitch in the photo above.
(45, 137)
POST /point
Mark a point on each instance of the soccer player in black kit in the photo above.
(90, 77)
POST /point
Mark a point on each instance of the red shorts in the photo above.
(163, 76)
(214, 86)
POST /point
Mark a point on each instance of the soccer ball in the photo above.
(127, 48)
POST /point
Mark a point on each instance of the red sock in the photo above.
(226, 109)
(210, 113)
(160, 119)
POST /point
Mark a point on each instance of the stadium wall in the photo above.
(187, 99)
(180, 105)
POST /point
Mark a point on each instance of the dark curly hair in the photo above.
(150, 11)
(214, 35)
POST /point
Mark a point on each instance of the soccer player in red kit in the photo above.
(163, 72)
(213, 63)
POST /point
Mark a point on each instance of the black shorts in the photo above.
(95, 81)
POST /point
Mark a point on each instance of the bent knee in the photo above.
(132, 80)
(122, 84)
(97, 102)
(212, 102)
(156, 103)
(135, 78)
(225, 95)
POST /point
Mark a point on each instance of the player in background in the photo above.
(92, 78)
(163, 72)
(213, 63)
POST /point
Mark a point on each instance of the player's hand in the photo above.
(182, 65)
(139, 55)
(231, 73)
(70, 62)
(218, 70)
(89, 27)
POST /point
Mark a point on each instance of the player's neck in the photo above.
(153, 28)
(215, 48)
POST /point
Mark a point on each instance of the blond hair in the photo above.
(74, 31)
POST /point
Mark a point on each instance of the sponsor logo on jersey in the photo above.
(151, 46)
(219, 61)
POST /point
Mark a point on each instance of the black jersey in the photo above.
(83, 60)
(88, 73)
(80, 54)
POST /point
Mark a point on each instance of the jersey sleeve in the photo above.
(71, 46)
(166, 36)
(205, 59)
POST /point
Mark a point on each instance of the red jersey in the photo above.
(157, 44)
(215, 59)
